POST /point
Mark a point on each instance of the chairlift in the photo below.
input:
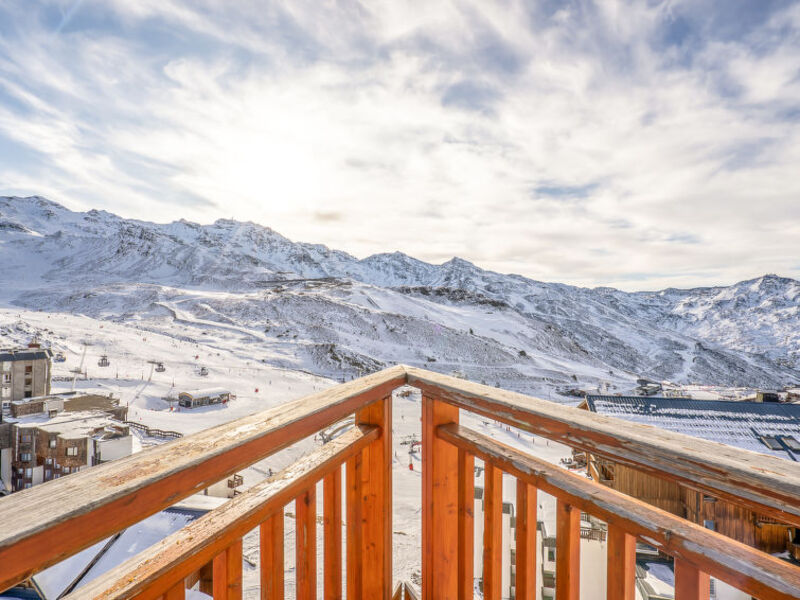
(103, 362)
(160, 368)
(59, 357)
(203, 372)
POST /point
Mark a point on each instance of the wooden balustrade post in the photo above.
(306, 545)
(439, 504)
(526, 542)
(621, 569)
(376, 503)
(227, 567)
(353, 471)
(332, 535)
(568, 548)
(690, 582)
(492, 532)
(466, 525)
(272, 559)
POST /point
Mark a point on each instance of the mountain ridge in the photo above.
(738, 334)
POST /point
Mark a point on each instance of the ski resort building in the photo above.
(204, 397)
(766, 427)
(40, 448)
(24, 373)
(349, 482)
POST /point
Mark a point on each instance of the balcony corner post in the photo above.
(440, 502)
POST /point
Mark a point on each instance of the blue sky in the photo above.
(635, 144)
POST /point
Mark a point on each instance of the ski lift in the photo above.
(203, 372)
(103, 362)
(160, 368)
(59, 357)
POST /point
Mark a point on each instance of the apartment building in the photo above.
(24, 373)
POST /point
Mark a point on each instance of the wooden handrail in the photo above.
(47, 523)
(151, 573)
(744, 567)
(767, 484)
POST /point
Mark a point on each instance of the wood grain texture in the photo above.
(691, 583)
(439, 504)
(759, 574)
(492, 532)
(228, 573)
(353, 524)
(466, 525)
(769, 484)
(621, 564)
(306, 544)
(48, 522)
(183, 552)
(332, 535)
(273, 563)
(376, 503)
(176, 592)
(526, 542)
(568, 551)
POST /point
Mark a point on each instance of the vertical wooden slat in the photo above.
(376, 500)
(466, 524)
(492, 533)
(306, 545)
(691, 583)
(526, 542)
(353, 470)
(176, 592)
(332, 529)
(439, 504)
(228, 573)
(272, 559)
(568, 538)
(621, 564)
(206, 579)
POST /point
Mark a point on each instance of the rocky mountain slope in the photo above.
(307, 306)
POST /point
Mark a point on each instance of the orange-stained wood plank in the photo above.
(492, 532)
(176, 592)
(376, 503)
(306, 544)
(621, 564)
(439, 504)
(690, 583)
(466, 524)
(42, 527)
(744, 567)
(272, 560)
(526, 542)
(332, 535)
(568, 547)
(353, 470)
(228, 573)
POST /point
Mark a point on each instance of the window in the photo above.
(709, 524)
(25, 457)
(28, 473)
(65, 470)
(28, 370)
(47, 473)
(28, 394)
(27, 486)
(551, 554)
(52, 442)
(25, 438)
(6, 378)
(48, 460)
(72, 451)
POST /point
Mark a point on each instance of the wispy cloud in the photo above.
(623, 143)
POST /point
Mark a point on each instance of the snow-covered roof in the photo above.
(71, 425)
(734, 423)
(81, 568)
(7, 355)
(205, 392)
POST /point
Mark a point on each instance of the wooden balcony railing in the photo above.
(45, 524)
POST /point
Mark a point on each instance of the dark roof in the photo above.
(741, 424)
(25, 354)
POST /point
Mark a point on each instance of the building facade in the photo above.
(24, 373)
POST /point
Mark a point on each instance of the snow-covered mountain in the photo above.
(307, 306)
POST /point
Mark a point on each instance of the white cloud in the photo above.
(578, 146)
